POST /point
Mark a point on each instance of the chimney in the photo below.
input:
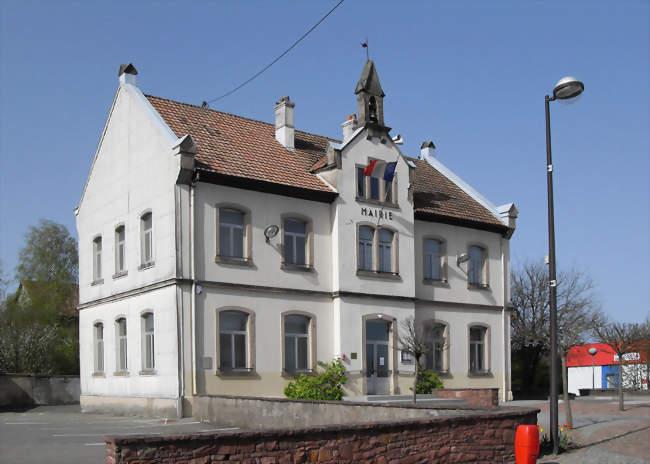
(284, 129)
(428, 149)
(127, 74)
(349, 126)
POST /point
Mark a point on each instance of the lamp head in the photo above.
(568, 87)
(592, 351)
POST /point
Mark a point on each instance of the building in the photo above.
(601, 370)
(222, 255)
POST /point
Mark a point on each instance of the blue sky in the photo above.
(471, 76)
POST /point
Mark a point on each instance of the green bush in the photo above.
(325, 385)
(427, 382)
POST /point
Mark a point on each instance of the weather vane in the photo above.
(365, 45)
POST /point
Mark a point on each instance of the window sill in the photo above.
(121, 374)
(145, 266)
(292, 374)
(296, 267)
(99, 374)
(370, 201)
(443, 374)
(242, 372)
(96, 282)
(148, 372)
(119, 275)
(479, 287)
(479, 374)
(436, 282)
(378, 274)
(234, 261)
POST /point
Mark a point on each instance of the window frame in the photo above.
(250, 344)
(120, 246)
(309, 243)
(246, 259)
(485, 282)
(97, 247)
(429, 327)
(121, 352)
(375, 268)
(99, 362)
(311, 343)
(366, 197)
(146, 338)
(443, 260)
(144, 263)
(486, 342)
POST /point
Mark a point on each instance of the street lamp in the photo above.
(592, 352)
(566, 88)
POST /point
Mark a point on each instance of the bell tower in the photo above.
(370, 97)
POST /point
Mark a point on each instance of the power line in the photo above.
(278, 58)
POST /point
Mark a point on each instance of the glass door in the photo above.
(377, 357)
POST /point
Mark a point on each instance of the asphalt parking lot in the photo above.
(61, 434)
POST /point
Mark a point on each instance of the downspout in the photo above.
(506, 283)
(193, 297)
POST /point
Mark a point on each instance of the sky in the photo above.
(469, 75)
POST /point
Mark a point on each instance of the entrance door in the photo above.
(377, 357)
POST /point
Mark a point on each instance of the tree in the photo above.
(622, 337)
(49, 254)
(412, 340)
(578, 313)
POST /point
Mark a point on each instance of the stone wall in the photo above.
(26, 390)
(485, 437)
(479, 397)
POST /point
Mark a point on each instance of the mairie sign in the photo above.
(377, 213)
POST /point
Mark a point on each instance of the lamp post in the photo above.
(592, 352)
(566, 88)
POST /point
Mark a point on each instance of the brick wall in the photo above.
(478, 438)
(480, 397)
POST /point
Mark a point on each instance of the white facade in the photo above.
(188, 282)
(584, 377)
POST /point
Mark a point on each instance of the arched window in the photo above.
(297, 346)
(433, 259)
(97, 259)
(478, 349)
(385, 251)
(120, 336)
(233, 340)
(98, 333)
(477, 271)
(295, 242)
(146, 240)
(231, 233)
(148, 351)
(366, 238)
(120, 250)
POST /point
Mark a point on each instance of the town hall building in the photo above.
(224, 255)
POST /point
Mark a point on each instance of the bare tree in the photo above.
(412, 340)
(578, 313)
(622, 337)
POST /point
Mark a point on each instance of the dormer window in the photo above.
(376, 182)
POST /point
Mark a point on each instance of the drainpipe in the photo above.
(504, 328)
(193, 297)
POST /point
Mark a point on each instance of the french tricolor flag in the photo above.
(389, 169)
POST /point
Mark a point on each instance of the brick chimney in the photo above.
(284, 128)
(349, 126)
(428, 149)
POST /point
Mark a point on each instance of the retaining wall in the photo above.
(25, 390)
(484, 437)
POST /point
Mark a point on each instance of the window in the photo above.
(148, 353)
(361, 183)
(385, 252)
(477, 271)
(375, 187)
(97, 259)
(120, 329)
(436, 358)
(388, 191)
(233, 340)
(433, 259)
(296, 343)
(231, 233)
(477, 349)
(99, 347)
(146, 239)
(295, 242)
(120, 250)
(366, 237)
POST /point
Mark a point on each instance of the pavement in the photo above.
(62, 434)
(602, 433)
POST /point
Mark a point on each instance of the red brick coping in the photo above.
(468, 438)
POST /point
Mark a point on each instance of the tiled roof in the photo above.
(244, 148)
(241, 147)
(434, 195)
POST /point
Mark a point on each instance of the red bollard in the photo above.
(527, 444)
